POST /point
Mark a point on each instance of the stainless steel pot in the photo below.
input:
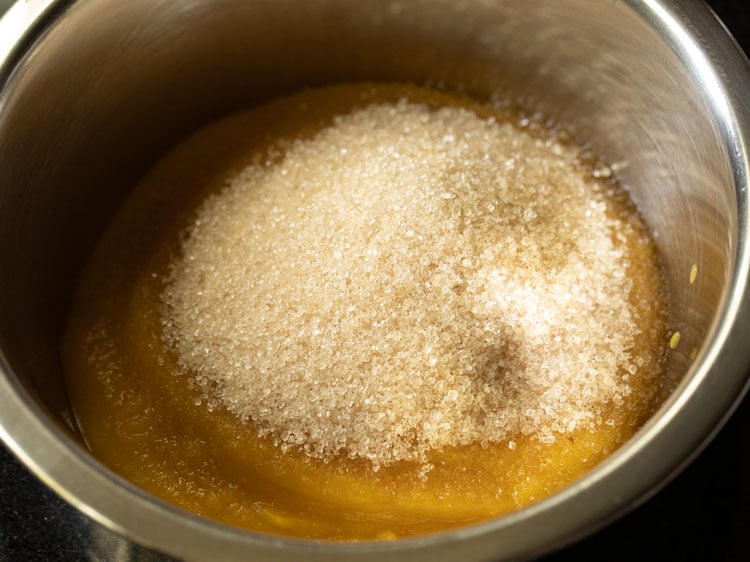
(93, 91)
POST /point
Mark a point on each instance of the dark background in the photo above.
(703, 515)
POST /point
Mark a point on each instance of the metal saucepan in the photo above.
(93, 91)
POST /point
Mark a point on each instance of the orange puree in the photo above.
(145, 415)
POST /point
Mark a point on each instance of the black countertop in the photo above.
(703, 515)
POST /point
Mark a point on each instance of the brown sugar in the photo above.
(367, 311)
(406, 280)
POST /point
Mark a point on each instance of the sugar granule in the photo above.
(407, 279)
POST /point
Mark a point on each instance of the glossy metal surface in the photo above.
(93, 91)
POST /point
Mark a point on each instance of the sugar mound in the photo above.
(407, 279)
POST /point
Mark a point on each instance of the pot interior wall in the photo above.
(111, 85)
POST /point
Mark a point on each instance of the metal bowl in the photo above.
(93, 91)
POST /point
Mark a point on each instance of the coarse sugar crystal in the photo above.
(405, 280)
